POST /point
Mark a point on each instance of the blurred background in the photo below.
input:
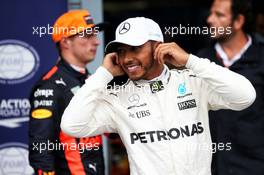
(27, 52)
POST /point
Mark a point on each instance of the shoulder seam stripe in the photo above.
(50, 73)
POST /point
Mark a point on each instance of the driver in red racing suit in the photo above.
(51, 151)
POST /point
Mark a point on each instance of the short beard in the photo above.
(152, 60)
(226, 37)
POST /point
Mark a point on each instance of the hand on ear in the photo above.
(112, 65)
(171, 53)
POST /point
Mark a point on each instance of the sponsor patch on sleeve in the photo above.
(41, 113)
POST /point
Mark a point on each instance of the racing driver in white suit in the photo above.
(161, 115)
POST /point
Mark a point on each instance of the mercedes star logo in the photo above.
(134, 99)
(124, 28)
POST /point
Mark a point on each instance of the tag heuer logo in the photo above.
(187, 104)
(156, 86)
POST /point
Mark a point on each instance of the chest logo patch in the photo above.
(187, 104)
(182, 89)
(41, 113)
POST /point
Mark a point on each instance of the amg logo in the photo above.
(187, 104)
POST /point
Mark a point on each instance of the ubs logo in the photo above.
(140, 114)
(124, 28)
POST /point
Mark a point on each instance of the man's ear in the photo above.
(155, 44)
(239, 22)
(64, 43)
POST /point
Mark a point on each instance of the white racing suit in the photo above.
(163, 123)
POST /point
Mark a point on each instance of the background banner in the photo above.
(26, 52)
